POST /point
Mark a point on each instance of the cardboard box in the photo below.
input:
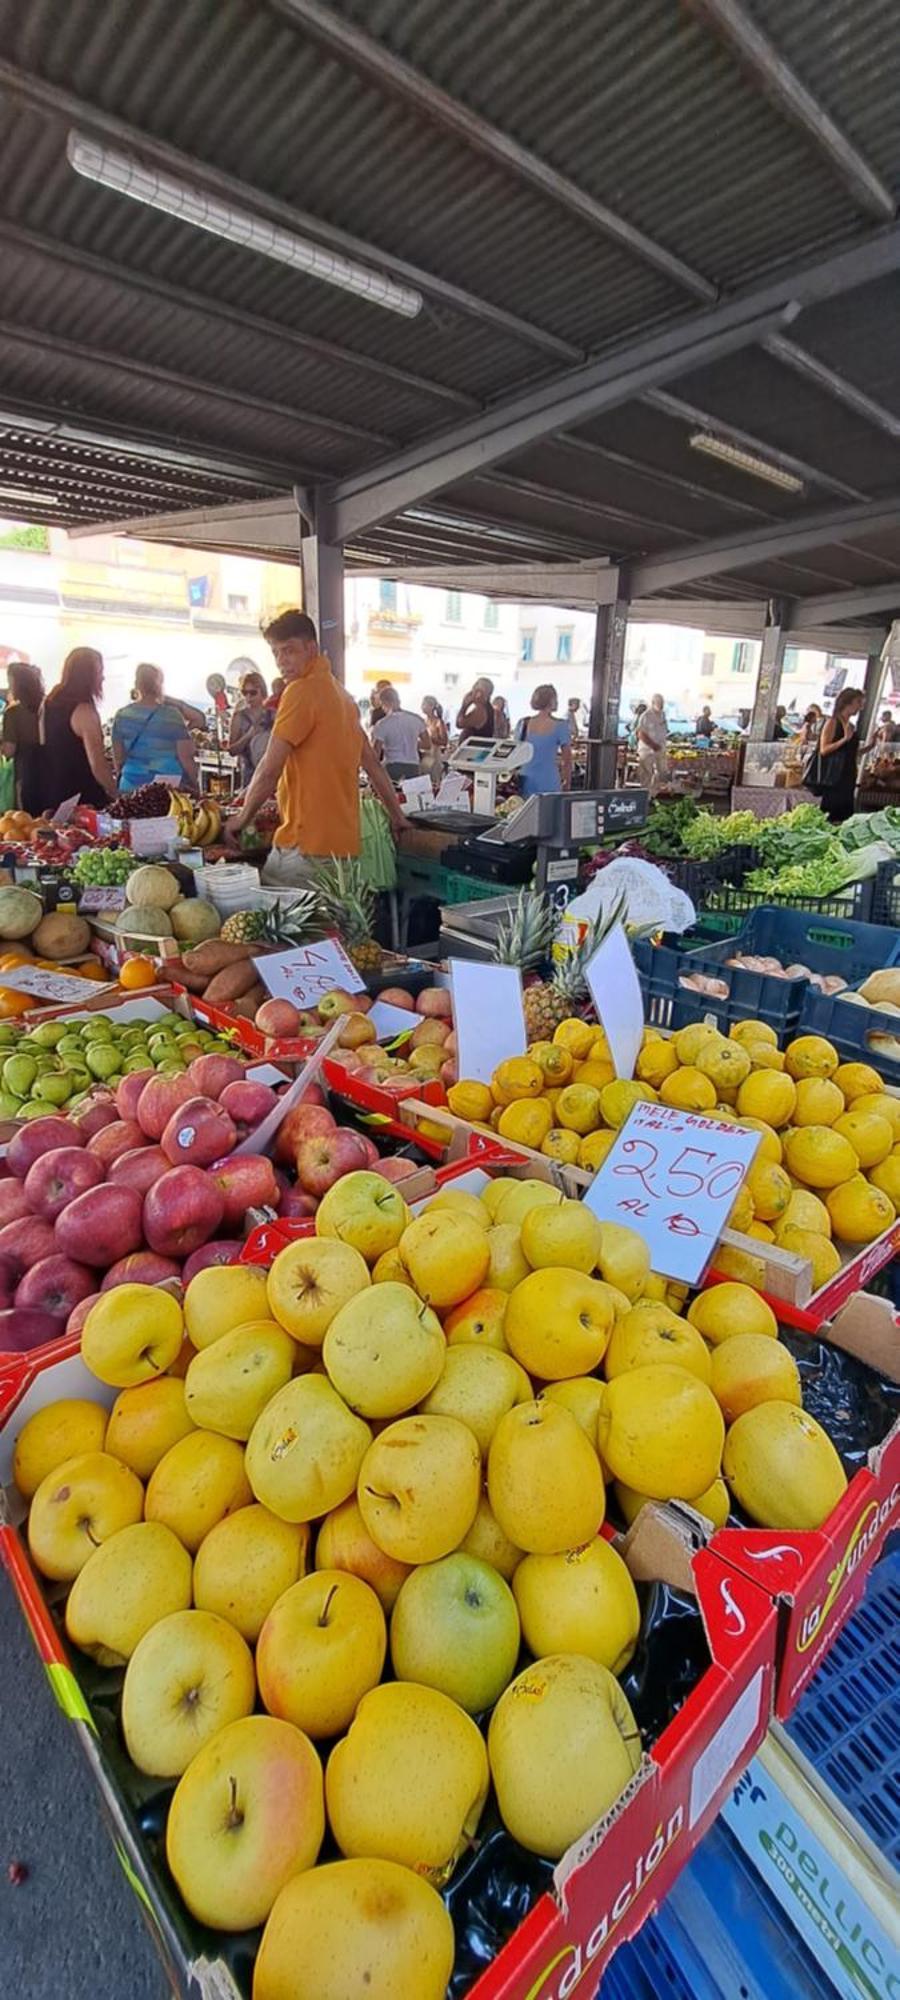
(605, 1887)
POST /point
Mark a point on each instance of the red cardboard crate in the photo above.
(606, 1886)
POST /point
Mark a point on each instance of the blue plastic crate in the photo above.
(828, 945)
(848, 1026)
(848, 1721)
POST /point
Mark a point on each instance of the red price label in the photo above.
(673, 1176)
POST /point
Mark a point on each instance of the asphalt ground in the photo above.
(71, 1929)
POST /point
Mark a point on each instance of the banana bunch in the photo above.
(200, 824)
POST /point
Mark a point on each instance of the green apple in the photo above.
(9, 1035)
(102, 1062)
(69, 1045)
(10, 1107)
(50, 1034)
(18, 1074)
(455, 1627)
(56, 1089)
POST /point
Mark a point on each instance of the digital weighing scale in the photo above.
(485, 759)
(551, 827)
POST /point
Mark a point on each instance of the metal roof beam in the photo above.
(139, 445)
(846, 604)
(759, 545)
(691, 413)
(344, 39)
(834, 385)
(658, 475)
(759, 57)
(578, 503)
(65, 104)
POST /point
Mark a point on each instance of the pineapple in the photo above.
(528, 939)
(346, 904)
(272, 926)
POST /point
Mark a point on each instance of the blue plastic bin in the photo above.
(848, 1721)
(828, 945)
(849, 1026)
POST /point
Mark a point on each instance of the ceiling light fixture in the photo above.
(26, 493)
(125, 175)
(746, 461)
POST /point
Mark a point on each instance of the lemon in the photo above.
(885, 1105)
(766, 1095)
(870, 1136)
(819, 1157)
(561, 1145)
(576, 1036)
(761, 1231)
(725, 1310)
(859, 1212)
(811, 1055)
(656, 1061)
(517, 1077)
(556, 1063)
(578, 1108)
(742, 1210)
(593, 1149)
(886, 1176)
(808, 1243)
(688, 1090)
(819, 1102)
(858, 1079)
(526, 1122)
(725, 1063)
(738, 1264)
(770, 1189)
(470, 1100)
(763, 1056)
(689, 1041)
(770, 1146)
(806, 1211)
(617, 1100)
(746, 1032)
(594, 1072)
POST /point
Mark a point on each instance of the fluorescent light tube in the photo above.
(746, 461)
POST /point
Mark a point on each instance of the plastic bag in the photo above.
(7, 784)
(651, 899)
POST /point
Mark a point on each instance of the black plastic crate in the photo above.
(855, 903)
(886, 901)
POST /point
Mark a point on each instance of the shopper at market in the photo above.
(573, 714)
(398, 736)
(150, 736)
(550, 769)
(72, 760)
(833, 777)
(435, 726)
(251, 723)
(652, 737)
(476, 716)
(377, 709)
(703, 725)
(810, 727)
(19, 731)
(502, 719)
(312, 761)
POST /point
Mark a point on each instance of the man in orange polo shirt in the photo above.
(312, 761)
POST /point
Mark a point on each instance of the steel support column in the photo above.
(322, 568)
(873, 683)
(768, 684)
(606, 693)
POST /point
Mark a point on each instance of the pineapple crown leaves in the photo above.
(527, 938)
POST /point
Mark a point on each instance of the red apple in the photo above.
(435, 1001)
(245, 1181)
(198, 1133)
(449, 1074)
(397, 996)
(396, 1169)
(183, 1210)
(314, 1094)
(225, 1250)
(39, 1136)
(371, 1150)
(101, 1225)
(79, 1313)
(56, 1285)
(159, 1098)
(129, 1091)
(139, 1168)
(321, 1162)
(141, 1267)
(112, 1141)
(296, 1205)
(209, 1075)
(277, 1017)
(27, 1241)
(21, 1331)
(100, 1111)
(248, 1104)
(303, 1121)
(13, 1200)
(309, 1025)
(57, 1177)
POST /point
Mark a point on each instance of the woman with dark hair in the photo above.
(20, 732)
(73, 758)
(834, 777)
(251, 722)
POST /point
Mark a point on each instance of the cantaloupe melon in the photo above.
(194, 919)
(60, 936)
(153, 885)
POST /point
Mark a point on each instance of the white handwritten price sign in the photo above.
(306, 974)
(673, 1176)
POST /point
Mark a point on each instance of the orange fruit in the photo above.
(13, 1003)
(136, 972)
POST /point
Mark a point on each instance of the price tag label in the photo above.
(103, 896)
(64, 812)
(673, 1177)
(152, 836)
(307, 973)
(56, 988)
(488, 1016)
(616, 993)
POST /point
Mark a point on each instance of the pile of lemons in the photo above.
(827, 1170)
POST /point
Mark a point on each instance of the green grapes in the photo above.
(103, 867)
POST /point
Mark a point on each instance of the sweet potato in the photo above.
(196, 982)
(230, 983)
(213, 956)
(249, 1003)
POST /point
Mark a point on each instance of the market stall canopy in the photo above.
(496, 285)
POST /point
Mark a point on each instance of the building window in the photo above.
(564, 644)
(708, 666)
(491, 615)
(526, 647)
(387, 596)
(791, 660)
(240, 605)
(742, 657)
(454, 607)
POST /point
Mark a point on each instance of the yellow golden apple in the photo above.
(200, 1479)
(753, 1369)
(660, 1430)
(519, 1197)
(418, 1487)
(228, 1384)
(494, 1192)
(245, 1563)
(146, 1421)
(131, 1335)
(222, 1297)
(478, 1385)
(508, 1264)
(563, 1745)
(322, 1648)
(584, 1601)
(455, 1627)
(567, 1234)
(129, 1583)
(644, 1338)
(246, 1817)
(344, 1543)
(462, 1202)
(480, 1318)
(352, 1927)
(447, 1255)
(364, 1210)
(544, 1480)
(782, 1467)
(309, 1283)
(305, 1450)
(66, 1429)
(582, 1396)
(409, 1780)
(558, 1323)
(80, 1504)
(187, 1677)
(389, 1268)
(385, 1350)
(486, 1540)
(624, 1259)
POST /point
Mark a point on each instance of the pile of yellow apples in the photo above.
(392, 1451)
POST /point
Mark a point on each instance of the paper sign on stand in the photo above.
(418, 794)
(56, 989)
(305, 974)
(673, 1177)
(615, 990)
(389, 1021)
(64, 812)
(453, 791)
(152, 836)
(488, 1016)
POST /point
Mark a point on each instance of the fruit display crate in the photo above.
(827, 945)
(418, 878)
(596, 1897)
(855, 903)
(859, 1033)
(816, 1577)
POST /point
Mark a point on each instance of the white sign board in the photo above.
(488, 1016)
(418, 794)
(615, 990)
(673, 1177)
(454, 791)
(388, 1021)
(103, 896)
(152, 836)
(305, 974)
(64, 812)
(56, 988)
